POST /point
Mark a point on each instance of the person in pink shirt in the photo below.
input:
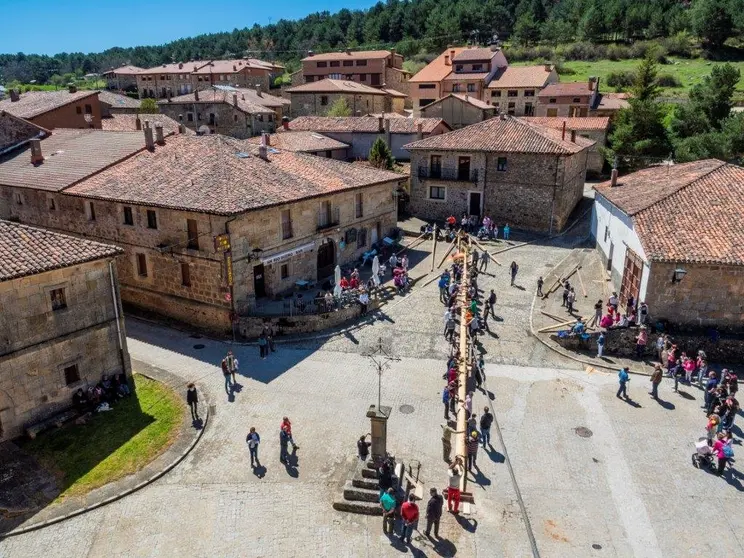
(641, 341)
(606, 321)
(689, 365)
(718, 449)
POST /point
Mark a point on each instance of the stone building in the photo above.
(514, 89)
(673, 236)
(312, 143)
(514, 172)
(361, 132)
(317, 97)
(211, 226)
(459, 110)
(568, 99)
(56, 109)
(220, 112)
(61, 322)
(123, 78)
(593, 127)
(116, 103)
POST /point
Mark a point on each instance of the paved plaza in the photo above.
(597, 476)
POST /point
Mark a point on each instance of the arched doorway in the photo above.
(326, 258)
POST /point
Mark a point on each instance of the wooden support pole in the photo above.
(434, 251)
(415, 242)
(494, 260)
(454, 242)
(581, 282)
(556, 318)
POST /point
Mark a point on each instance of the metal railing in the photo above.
(328, 218)
(448, 173)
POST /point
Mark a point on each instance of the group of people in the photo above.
(101, 396)
(485, 229)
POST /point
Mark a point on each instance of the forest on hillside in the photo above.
(414, 27)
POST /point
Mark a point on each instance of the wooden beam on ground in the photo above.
(556, 318)
(464, 365)
(554, 326)
(494, 260)
(581, 282)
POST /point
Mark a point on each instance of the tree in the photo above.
(712, 22)
(149, 106)
(713, 97)
(339, 107)
(645, 87)
(380, 155)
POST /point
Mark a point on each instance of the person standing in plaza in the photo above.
(623, 379)
(193, 401)
(507, 231)
(286, 427)
(476, 256)
(393, 262)
(570, 299)
(363, 447)
(655, 380)
(600, 344)
(449, 329)
(409, 512)
(641, 341)
(253, 439)
(484, 262)
(446, 401)
(433, 512)
(486, 421)
(597, 318)
(263, 348)
(513, 269)
(404, 262)
(232, 364)
(364, 302)
(453, 490)
(388, 503)
(228, 375)
(490, 301)
(539, 286)
(472, 445)
(443, 288)
(269, 329)
(283, 447)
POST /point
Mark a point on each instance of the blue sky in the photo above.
(51, 26)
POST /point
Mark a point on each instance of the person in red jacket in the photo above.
(409, 512)
(286, 429)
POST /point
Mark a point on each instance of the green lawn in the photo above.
(112, 444)
(688, 72)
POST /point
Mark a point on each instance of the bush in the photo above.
(581, 51)
(667, 80)
(618, 52)
(620, 80)
(641, 49)
(679, 45)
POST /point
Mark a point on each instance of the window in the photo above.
(456, 87)
(309, 79)
(349, 77)
(185, 274)
(235, 117)
(551, 100)
(529, 110)
(88, 109)
(271, 118)
(72, 375)
(576, 100)
(79, 109)
(323, 100)
(424, 102)
(335, 64)
(495, 93)
(362, 238)
(192, 229)
(458, 68)
(52, 204)
(361, 62)
(435, 167)
(212, 119)
(471, 88)
(141, 265)
(359, 205)
(477, 67)
(529, 93)
(348, 62)
(512, 93)
(152, 219)
(552, 112)
(284, 271)
(427, 86)
(286, 224)
(329, 154)
(190, 117)
(376, 79)
(463, 168)
(334, 76)
(362, 77)
(128, 216)
(501, 164)
(91, 211)
(437, 192)
(322, 64)
(59, 302)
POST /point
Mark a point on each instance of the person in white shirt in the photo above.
(364, 301)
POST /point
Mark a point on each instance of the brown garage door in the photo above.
(632, 273)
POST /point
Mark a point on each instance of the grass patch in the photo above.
(112, 444)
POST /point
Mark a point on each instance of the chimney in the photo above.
(159, 137)
(196, 95)
(348, 51)
(596, 84)
(591, 83)
(419, 131)
(181, 129)
(258, 89)
(563, 135)
(381, 123)
(387, 132)
(14, 96)
(36, 156)
(310, 53)
(263, 150)
(137, 123)
(573, 136)
(446, 60)
(180, 65)
(548, 67)
(285, 122)
(72, 88)
(613, 178)
(149, 143)
(235, 68)
(235, 99)
(452, 55)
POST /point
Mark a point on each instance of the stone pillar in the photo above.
(378, 419)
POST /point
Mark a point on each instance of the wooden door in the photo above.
(632, 273)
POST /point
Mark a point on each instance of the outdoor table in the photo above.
(302, 284)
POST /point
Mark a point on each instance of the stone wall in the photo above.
(67, 116)
(228, 120)
(311, 104)
(398, 80)
(456, 112)
(119, 82)
(570, 188)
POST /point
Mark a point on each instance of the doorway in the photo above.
(259, 281)
(326, 259)
(474, 203)
(463, 168)
(632, 273)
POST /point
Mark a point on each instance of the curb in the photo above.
(119, 496)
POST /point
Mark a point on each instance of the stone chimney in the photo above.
(419, 131)
(235, 99)
(446, 60)
(258, 89)
(235, 68)
(592, 81)
(149, 143)
(14, 96)
(285, 122)
(159, 137)
(348, 51)
(36, 156)
(72, 88)
(613, 178)
(263, 150)
(573, 136)
(548, 67)
(181, 129)
(196, 94)
(180, 65)
(387, 132)
(563, 134)
(137, 123)
(381, 123)
(452, 55)
(310, 53)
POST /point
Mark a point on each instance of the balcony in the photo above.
(328, 218)
(444, 173)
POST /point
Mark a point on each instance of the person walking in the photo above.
(283, 447)
(641, 341)
(446, 401)
(228, 376)
(539, 286)
(263, 348)
(409, 512)
(476, 256)
(507, 231)
(490, 301)
(364, 302)
(472, 445)
(513, 269)
(443, 288)
(570, 299)
(597, 318)
(193, 401)
(655, 380)
(719, 448)
(253, 439)
(388, 503)
(449, 329)
(486, 421)
(453, 490)
(232, 364)
(286, 427)
(623, 379)
(433, 512)
(484, 262)
(600, 344)
(269, 328)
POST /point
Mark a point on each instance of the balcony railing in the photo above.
(444, 173)
(328, 218)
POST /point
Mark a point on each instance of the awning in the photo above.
(281, 256)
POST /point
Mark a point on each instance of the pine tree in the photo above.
(339, 107)
(380, 155)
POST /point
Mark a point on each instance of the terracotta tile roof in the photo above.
(126, 70)
(503, 135)
(264, 99)
(394, 93)
(127, 123)
(335, 86)
(579, 88)
(27, 250)
(219, 175)
(264, 63)
(611, 101)
(595, 123)
(639, 190)
(364, 124)
(176, 68)
(474, 55)
(463, 98)
(233, 66)
(34, 103)
(69, 156)
(117, 100)
(466, 76)
(351, 55)
(520, 76)
(303, 142)
(14, 130)
(211, 96)
(702, 222)
(436, 70)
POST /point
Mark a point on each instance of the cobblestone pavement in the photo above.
(628, 487)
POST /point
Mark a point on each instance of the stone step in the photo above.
(356, 494)
(369, 484)
(366, 508)
(370, 474)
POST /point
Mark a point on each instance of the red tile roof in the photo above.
(696, 214)
(335, 86)
(116, 100)
(351, 55)
(303, 142)
(365, 124)
(176, 68)
(219, 175)
(466, 76)
(69, 156)
(519, 77)
(474, 55)
(27, 250)
(127, 123)
(594, 123)
(14, 130)
(126, 70)
(34, 103)
(579, 88)
(211, 96)
(264, 99)
(233, 66)
(436, 70)
(503, 135)
(465, 99)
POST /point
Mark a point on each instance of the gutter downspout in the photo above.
(114, 299)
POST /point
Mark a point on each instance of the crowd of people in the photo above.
(101, 396)
(483, 229)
